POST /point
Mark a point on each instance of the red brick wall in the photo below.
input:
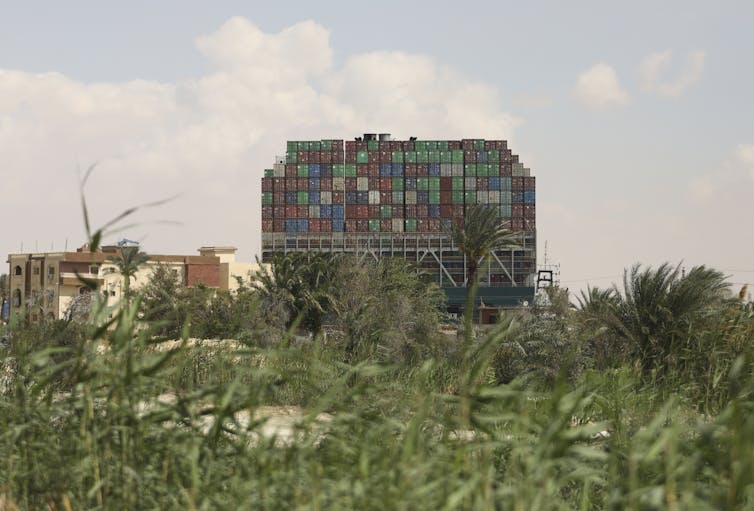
(207, 274)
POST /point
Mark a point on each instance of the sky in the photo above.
(636, 117)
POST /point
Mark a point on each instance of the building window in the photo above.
(17, 298)
(94, 270)
(50, 272)
(112, 293)
(18, 270)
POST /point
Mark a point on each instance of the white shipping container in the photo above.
(325, 198)
(338, 184)
(362, 184)
(411, 197)
(374, 197)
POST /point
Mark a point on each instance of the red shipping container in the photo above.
(303, 157)
(351, 225)
(362, 225)
(458, 211)
(362, 211)
(351, 146)
(267, 225)
(337, 156)
(410, 210)
(422, 169)
(362, 170)
(482, 183)
(434, 225)
(303, 184)
(350, 157)
(517, 224)
(529, 211)
(374, 169)
(422, 224)
(514, 158)
(325, 225)
(454, 145)
(386, 183)
(489, 145)
(313, 225)
(325, 157)
(374, 211)
(469, 156)
(386, 225)
(386, 156)
(291, 170)
(517, 183)
(529, 183)
(362, 145)
(338, 197)
(350, 184)
(325, 184)
(278, 198)
(410, 170)
(446, 183)
(267, 212)
(278, 225)
(422, 211)
(398, 211)
(291, 184)
(266, 184)
(278, 212)
(278, 184)
(352, 211)
(467, 144)
(291, 212)
(517, 210)
(446, 211)
(530, 224)
(386, 197)
(303, 211)
(373, 183)
(408, 146)
(314, 157)
(446, 197)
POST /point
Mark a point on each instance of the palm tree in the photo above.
(128, 262)
(661, 308)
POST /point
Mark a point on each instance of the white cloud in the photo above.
(598, 88)
(654, 66)
(210, 138)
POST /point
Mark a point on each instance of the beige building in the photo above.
(44, 285)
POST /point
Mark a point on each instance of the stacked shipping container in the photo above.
(371, 186)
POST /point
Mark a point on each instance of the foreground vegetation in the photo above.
(633, 399)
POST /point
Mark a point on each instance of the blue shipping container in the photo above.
(314, 184)
(303, 225)
(386, 169)
(291, 225)
(350, 197)
(338, 211)
(422, 197)
(338, 225)
(362, 197)
(397, 169)
(494, 183)
(410, 183)
(325, 211)
(481, 156)
(517, 197)
(434, 211)
(434, 169)
(325, 169)
(528, 196)
(314, 170)
(313, 197)
(290, 198)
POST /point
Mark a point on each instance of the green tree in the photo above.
(661, 310)
(301, 285)
(128, 262)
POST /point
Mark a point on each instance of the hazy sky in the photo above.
(636, 117)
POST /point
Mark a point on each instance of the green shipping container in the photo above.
(302, 198)
(397, 157)
(469, 170)
(315, 146)
(470, 197)
(386, 211)
(303, 170)
(291, 146)
(338, 170)
(481, 169)
(411, 224)
(422, 184)
(457, 196)
(267, 198)
(434, 197)
(291, 157)
(326, 145)
(493, 156)
(505, 210)
(493, 169)
(398, 183)
(433, 156)
(373, 145)
(397, 197)
(457, 184)
(410, 156)
(422, 157)
(420, 145)
(303, 146)
(446, 157)
(479, 144)
(457, 156)
(374, 225)
(442, 145)
(434, 184)
(269, 173)
(362, 157)
(350, 170)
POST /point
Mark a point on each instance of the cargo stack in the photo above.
(373, 192)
